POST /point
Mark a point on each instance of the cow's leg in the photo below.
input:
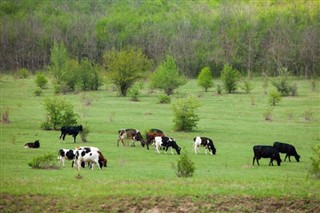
(271, 162)
(64, 136)
(157, 149)
(285, 158)
(289, 158)
(254, 159)
(78, 164)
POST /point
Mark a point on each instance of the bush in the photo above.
(205, 79)
(230, 76)
(22, 73)
(294, 89)
(247, 86)
(59, 113)
(274, 97)
(37, 91)
(282, 83)
(185, 118)
(85, 132)
(219, 89)
(185, 167)
(315, 162)
(41, 81)
(134, 91)
(164, 99)
(47, 161)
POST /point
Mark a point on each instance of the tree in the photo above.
(126, 67)
(58, 58)
(185, 118)
(230, 76)
(205, 78)
(167, 76)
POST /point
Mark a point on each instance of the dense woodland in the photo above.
(254, 37)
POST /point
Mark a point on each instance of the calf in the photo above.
(206, 142)
(70, 130)
(151, 134)
(91, 157)
(34, 145)
(68, 154)
(133, 134)
(289, 149)
(166, 142)
(266, 152)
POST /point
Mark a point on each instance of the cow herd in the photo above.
(92, 155)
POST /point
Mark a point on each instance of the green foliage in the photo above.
(315, 161)
(219, 89)
(185, 166)
(164, 99)
(46, 161)
(185, 117)
(134, 91)
(89, 78)
(274, 97)
(41, 80)
(38, 91)
(22, 73)
(58, 59)
(230, 76)
(282, 82)
(126, 67)
(167, 76)
(247, 86)
(59, 113)
(85, 132)
(205, 78)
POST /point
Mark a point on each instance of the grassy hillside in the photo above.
(234, 121)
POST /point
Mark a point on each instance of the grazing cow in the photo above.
(87, 149)
(68, 154)
(70, 130)
(166, 142)
(206, 142)
(151, 134)
(133, 134)
(289, 149)
(34, 145)
(266, 152)
(91, 157)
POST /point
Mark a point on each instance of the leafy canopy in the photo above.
(205, 78)
(167, 76)
(125, 67)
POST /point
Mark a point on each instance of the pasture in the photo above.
(138, 179)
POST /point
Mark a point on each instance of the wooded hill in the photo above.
(253, 36)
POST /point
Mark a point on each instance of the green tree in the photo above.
(230, 76)
(185, 117)
(205, 78)
(58, 58)
(41, 81)
(185, 166)
(167, 76)
(126, 67)
(89, 78)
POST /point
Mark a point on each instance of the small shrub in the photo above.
(134, 91)
(164, 99)
(219, 89)
(281, 83)
(37, 91)
(185, 167)
(205, 79)
(315, 162)
(85, 132)
(247, 86)
(47, 161)
(230, 76)
(22, 73)
(5, 116)
(41, 81)
(185, 118)
(294, 89)
(274, 97)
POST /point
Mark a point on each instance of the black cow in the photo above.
(288, 149)
(166, 142)
(266, 152)
(70, 130)
(35, 144)
(206, 142)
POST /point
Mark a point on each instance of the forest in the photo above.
(254, 37)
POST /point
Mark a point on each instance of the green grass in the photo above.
(234, 121)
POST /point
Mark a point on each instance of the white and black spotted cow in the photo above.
(166, 142)
(96, 157)
(205, 142)
(66, 154)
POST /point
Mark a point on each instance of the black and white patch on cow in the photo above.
(130, 134)
(288, 149)
(262, 151)
(33, 145)
(70, 130)
(94, 157)
(66, 154)
(166, 142)
(205, 142)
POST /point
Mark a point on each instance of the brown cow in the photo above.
(133, 134)
(151, 134)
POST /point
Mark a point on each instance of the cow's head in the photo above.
(297, 157)
(80, 128)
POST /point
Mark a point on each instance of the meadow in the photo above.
(138, 179)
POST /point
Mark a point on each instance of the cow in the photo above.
(133, 134)
(91, 157)
(34, 145)
(166, 142)
(261, 151)
(87, 149)
(66, 154)
(70, 130)
(206, 142)
(151, 134)
(288, 149)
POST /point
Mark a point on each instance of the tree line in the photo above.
(254, 37)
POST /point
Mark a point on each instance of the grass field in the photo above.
(138, 179)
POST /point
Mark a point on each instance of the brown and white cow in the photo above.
(131, 134)
(151, 134)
